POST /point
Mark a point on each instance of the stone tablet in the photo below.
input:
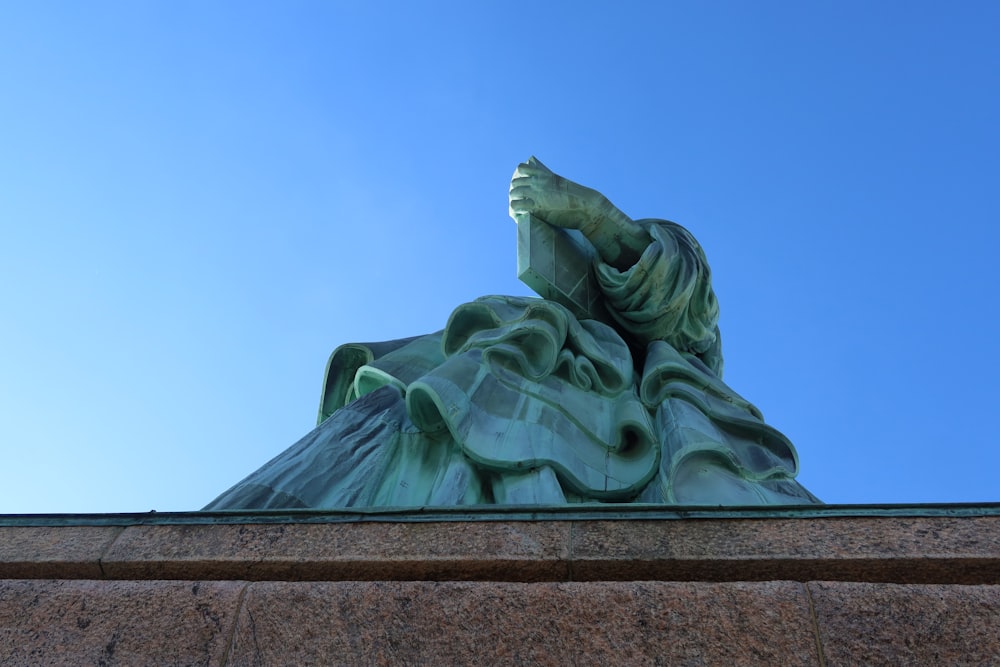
(556, 263)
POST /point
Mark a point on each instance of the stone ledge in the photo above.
(518, 551)
(44, 552)
(896, 549)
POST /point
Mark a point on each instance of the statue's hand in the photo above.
(536, 189)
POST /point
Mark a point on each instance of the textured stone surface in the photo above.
(517, 551)
(882, 624)
(116, 623)
(515, 623)
(53, 551)
(700, 591)
(964, 550)
(893, 549)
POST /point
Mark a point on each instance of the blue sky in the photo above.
(199, 201)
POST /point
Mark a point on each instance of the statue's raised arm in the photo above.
(537, 190)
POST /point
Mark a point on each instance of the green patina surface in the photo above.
(607, 389)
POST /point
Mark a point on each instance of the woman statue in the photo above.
(519, 401)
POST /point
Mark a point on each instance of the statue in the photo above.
(607, 390)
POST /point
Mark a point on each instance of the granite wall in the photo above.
(735, 590)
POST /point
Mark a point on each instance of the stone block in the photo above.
(517, 551)
(517, 623)
(907, 624)
(78, 622)
(892, 549)
(37, 552)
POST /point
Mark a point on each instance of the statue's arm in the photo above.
(535, 189)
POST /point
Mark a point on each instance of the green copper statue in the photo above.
(608, 389)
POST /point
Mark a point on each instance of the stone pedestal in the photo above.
(890, 585)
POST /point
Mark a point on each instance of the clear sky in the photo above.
(200, 200)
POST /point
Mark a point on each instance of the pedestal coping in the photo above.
(945, 544)
(480, 513)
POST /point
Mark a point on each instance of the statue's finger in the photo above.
(522, 204)
(523, 169)
(522, 185)
(528, 170)
(535, 162)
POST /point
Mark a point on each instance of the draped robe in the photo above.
(516, 401)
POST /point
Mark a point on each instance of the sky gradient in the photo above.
(200, 201)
